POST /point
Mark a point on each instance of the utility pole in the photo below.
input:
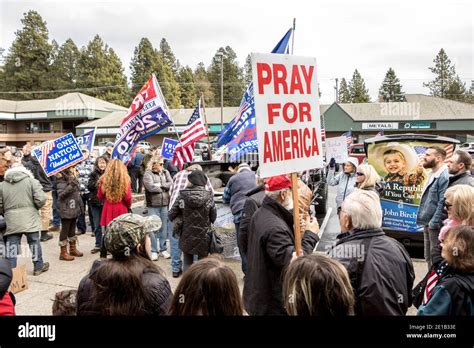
(337, 90)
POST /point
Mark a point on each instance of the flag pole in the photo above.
(207, 127)
(293, 36)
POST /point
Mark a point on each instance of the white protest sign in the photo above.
(336, 148)
(287, 113)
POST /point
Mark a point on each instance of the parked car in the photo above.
(357, 151)
(467, 146)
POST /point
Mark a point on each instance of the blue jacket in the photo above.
(136, 161)
(430, 212)
(236, 189)
(345, 184)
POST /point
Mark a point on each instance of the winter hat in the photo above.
(127, 231)
(354, 161)
(276, 183)
(197, 178)
(109, 144)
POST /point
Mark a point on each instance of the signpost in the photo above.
(288, 121)
(59, 154)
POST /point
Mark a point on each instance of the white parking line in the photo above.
(323, 227)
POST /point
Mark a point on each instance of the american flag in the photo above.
(193, 131)
(348, 136)
(323, 134)
(431, 282)
(42, 151)
(323, 129)
(420, 150)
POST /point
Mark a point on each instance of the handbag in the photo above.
(215, 246)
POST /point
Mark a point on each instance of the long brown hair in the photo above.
(457, 248)
(115, 181)
(118, 287)
(209, 287)
(317, 285)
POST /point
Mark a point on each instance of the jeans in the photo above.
(13, 244)
(56, 218)
(175, 251)
(96, 213)
(188, 260)
(162, 233)
(81, 220)
(243, 255)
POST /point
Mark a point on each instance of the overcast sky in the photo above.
(367, 35)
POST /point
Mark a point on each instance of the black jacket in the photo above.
(461, 179)
(93, 186)
(70, 204)
(32, 164)
(156, 285)
(271, 245)
(253, 202)
(380, 270)
(195, 209)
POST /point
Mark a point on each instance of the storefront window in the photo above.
(3, 127)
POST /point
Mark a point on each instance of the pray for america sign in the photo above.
(287, 112)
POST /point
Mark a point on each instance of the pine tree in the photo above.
(445, 74)
(64, 67)
(457, 90)
(144, 63)
(100, 67)
(168, 56)
(248, 70)
(233, 77)
(470, 93)
(203, 86)
(359, 94)
(27, 64)
(188, 89)
(391, 89)
(344, 95)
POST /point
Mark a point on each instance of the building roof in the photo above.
(417, 107)
(180, 117)
(69, 101)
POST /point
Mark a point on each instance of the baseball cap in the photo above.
(109, 144)
(279, 182)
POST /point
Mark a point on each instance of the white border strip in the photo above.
(323, 227)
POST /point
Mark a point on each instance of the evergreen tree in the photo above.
(344, 95)
(233, 77)
(457, 90)
(64, 67)
(188, 89)
(144, 63)
(168, 56)
(470, 94)
(100, 67)
(445, 74)
(248, 70)
(203, 86)
(359, 94)
(391, 89)
(27, 64)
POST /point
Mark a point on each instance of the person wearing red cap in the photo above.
(271, 247)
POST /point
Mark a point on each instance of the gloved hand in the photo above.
(332, 163)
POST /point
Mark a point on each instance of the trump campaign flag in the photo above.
(193, 131)
(240, 134)
(86, 140)
(147, 115)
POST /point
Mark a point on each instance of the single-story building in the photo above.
(419, 114)
(36, 121)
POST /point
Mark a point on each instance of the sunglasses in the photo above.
(447, 204)
(360, 174)
(160, 163)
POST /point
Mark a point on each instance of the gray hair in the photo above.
(275, 194)
(193, 167)
(364, 209)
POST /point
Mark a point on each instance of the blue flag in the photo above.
(87, 140)
(241, 133)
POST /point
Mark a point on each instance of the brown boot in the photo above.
(64, 254)
(73, 250)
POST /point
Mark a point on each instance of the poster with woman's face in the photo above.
(399, 163)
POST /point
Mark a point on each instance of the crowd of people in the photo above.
(364, 273)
